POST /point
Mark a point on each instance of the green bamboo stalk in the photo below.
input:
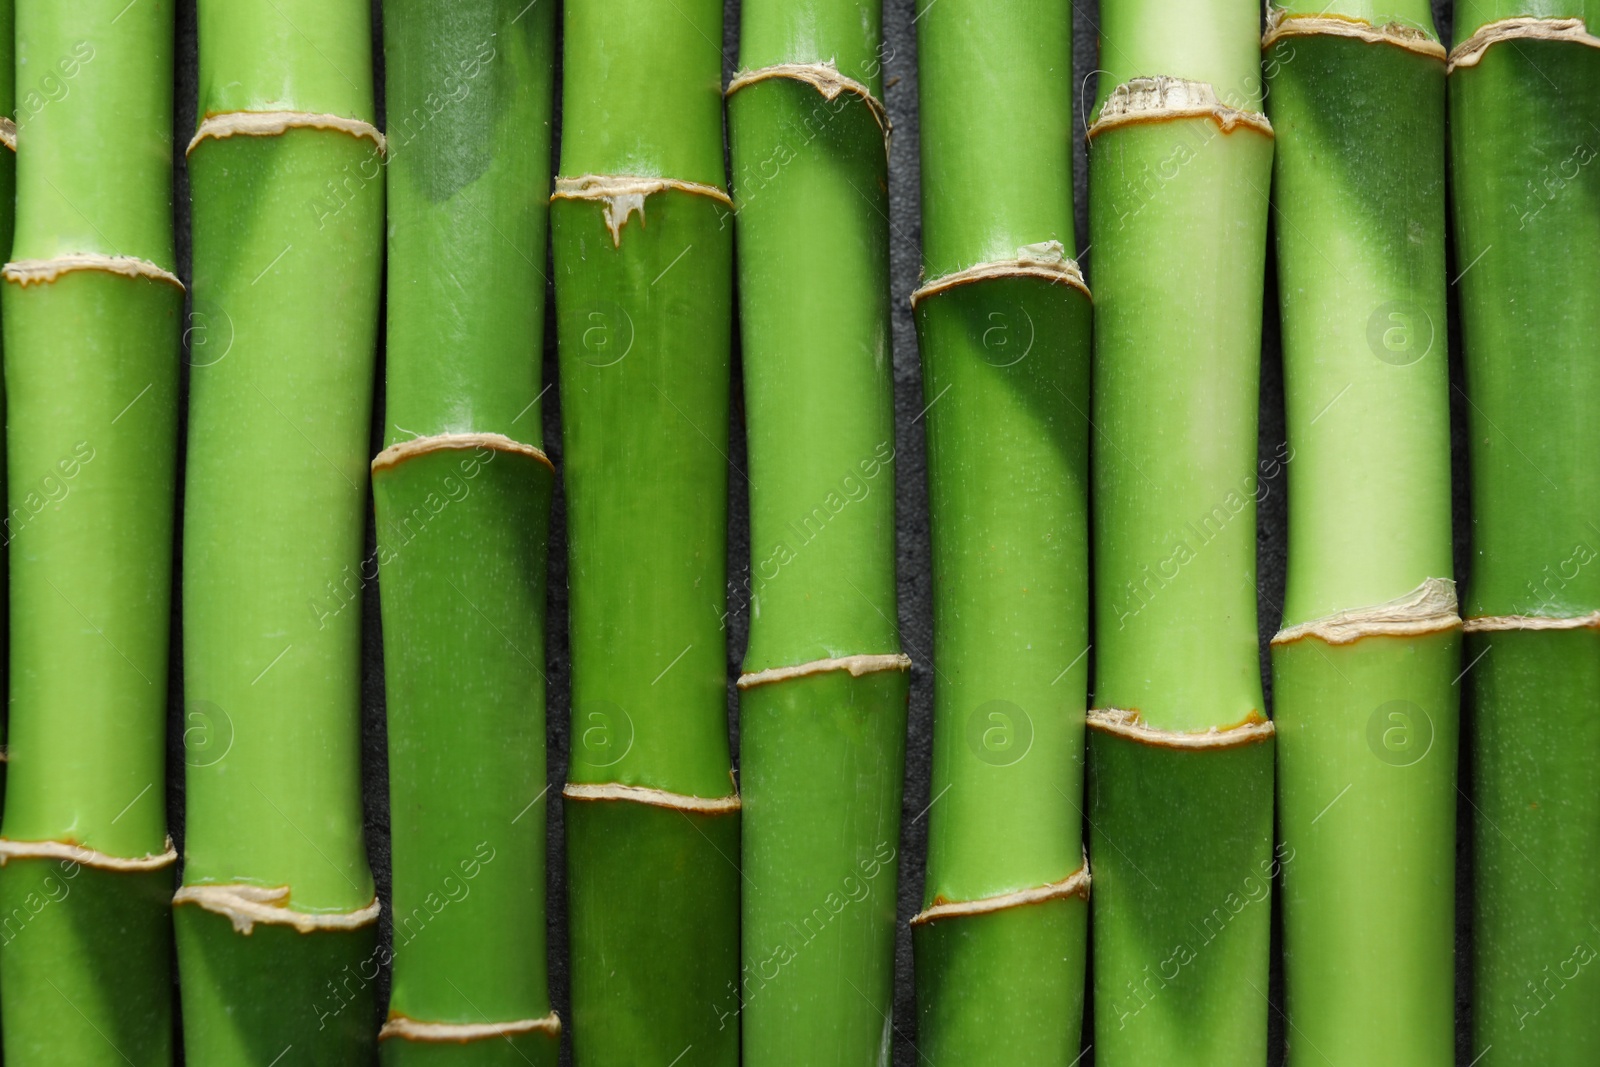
(463, 513)
(92, 317)
(276, 919)
(824, 690)
(1525, 101)
(1365, 667)
(1003, 318)
(8, 200)
(1180, 789)
(642, 232)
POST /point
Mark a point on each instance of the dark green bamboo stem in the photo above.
(1003, 318)
(1366, 704)
(92, 320)
(463, 512)
(823, 695)
(1180, 791)
(642, 235)
(276, 919)
(1525, 104)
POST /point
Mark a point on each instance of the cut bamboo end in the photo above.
(1128, 724)
(1047, 260)
(394, 455)
(824, 78)
(462, 1033)
(85, 857)
(856, 665)
(1281, 23)
(656, 798)
(1077, 885)
(1470, 51)
(27, 272)
(1429, 608)
(1164, 99)
(274, 123)
(624, 194)
(1502, 623)
(8, 133)
(246, 905)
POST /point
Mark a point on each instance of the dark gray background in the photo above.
(911, 499)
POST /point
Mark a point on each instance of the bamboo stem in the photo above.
(463, 513)
(1180, 788)
(91, 313)
(1003, 319)
(1366, 708)
(823, 697)
(641, 231)
(276, 919)
(1525, 100)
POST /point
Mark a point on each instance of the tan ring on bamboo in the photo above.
(1076, 885)
(1046, 260)
(1128, 724)
(856, 665)
(625, 194)
(655, 798)
(1470, 51)
(246, 905)
(1428, 609)
(1500, 623)
(85, 857)
(26, 272)
(227, 124)
(396, 454)
(1164, 99)
(8, 132)
(824, 78)
(408, 1029)
(1281, 23)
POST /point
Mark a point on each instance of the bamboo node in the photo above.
(408, 1029)
(656, 798)
(1500, 623)
(1470, 51)
(27, 272)
(396, 454)
(1076, 885)
(1047, 260)
(825, 78)
(624, 194)
(1281, 23)
(858, 666)
(1130, 725)
(246, 905)
(8, 132)
(274, 123)
(1164, 99)
(1427, 609)
(85, 857)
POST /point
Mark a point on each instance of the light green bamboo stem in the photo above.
(642, 237)
(92, 320)
(1180, 791)
(1365, 667)
(1525, 161)
(1003, 319)
(463, 513)
(277, 919)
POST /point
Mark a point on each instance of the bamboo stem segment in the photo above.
(642, 239)
(463, 512)
(276, 920)
(1524, 104)
(1180, 790)
(1365, 667)
(1003, 318)
(91, 367)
